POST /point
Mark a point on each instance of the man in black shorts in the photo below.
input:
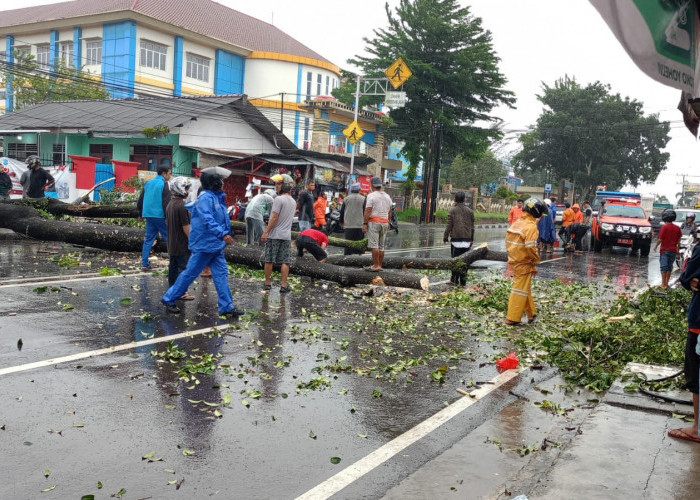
(690, 279)
(313, 241)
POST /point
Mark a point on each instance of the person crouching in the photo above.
(313, 241)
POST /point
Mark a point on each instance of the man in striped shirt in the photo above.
(523, 257)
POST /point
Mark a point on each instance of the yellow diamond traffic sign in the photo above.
(354, 133)
(398, 73)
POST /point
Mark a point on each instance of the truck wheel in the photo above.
(644, 250)
(597, 245)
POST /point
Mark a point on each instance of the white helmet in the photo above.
(548, 202)
(180, 185)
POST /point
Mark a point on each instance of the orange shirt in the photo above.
(515, 213)
(578, 216)
(320, 211)
(567, 218)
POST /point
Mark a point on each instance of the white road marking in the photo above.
(551, 260)
(6, 281)
(400, 250)
(106, 350)
(62, 281)
(365, 465)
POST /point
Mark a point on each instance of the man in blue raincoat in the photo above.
(210, 232)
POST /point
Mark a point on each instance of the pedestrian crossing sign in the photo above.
(354, 133)
(398, 73)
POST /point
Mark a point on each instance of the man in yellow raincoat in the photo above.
(523, 257)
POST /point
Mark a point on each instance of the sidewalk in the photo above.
(579, 448)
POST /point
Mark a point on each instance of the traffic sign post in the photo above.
(398, 73)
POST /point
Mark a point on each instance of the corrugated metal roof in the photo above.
(283, 161)
(114, 115)
(199, 16)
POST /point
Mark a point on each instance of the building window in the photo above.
(319, 79)
(309, 82)
(150, 156)
(93, 52)
(21, 52)
(42, 55)
(67, 54)
(153, 55)
(3, 92)
(328, 84)
(102, 151)
(20, 151)
(3, 56)
(197, 67)
(307, 144)
(59, 154)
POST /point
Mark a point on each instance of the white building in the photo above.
(167, 48)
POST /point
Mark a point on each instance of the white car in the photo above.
(682, 212)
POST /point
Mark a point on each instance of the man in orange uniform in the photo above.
(567, 218)
(578, 215)
(515, 212)
(523, 257)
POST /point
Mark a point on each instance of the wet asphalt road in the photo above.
(92, 419)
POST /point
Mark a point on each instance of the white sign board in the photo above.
(395, 100)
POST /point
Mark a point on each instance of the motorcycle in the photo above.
(237, 212)
(688, 242)
(334, 222)
(394, 220)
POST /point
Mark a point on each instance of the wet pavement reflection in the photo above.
(291, 371)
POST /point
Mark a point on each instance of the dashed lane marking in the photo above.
(106, 350)
(60, 281)
(365, 465)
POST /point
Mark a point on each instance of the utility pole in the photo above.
(282, 114)
(427, 176)
(436, 172)
(357, 106)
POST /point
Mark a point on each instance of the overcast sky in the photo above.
(537, 41)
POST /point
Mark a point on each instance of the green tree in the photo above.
(32, 84)
(593, 137)
(455, 79)
(661, 198)
(465, 174)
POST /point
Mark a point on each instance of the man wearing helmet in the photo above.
(38, 179)
(210, 232)
(669, 240)
(278, 234)
(177, 219)
(688, 226)
(523, 257)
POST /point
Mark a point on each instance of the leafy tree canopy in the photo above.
(463, 173)
(455, 79)
(32, 85)
(593, 137)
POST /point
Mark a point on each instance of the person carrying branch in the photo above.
(523, 257)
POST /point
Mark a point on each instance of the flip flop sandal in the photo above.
(512, 323)
(186, 296)
(682, 434)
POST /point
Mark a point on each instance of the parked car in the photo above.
(623, 223)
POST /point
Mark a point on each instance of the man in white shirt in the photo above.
(377, 213)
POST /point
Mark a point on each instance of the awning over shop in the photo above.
(284, 161)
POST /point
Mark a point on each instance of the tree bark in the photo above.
(56, 207)
(481, 252)
(360, 245)
(25, 220)
(308, 266)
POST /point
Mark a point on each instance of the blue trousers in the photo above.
(219, 274)
(154, 225)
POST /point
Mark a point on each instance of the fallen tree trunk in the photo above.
(25, 220)
(56, 207)
(460, 262)
(360, 245)
(129, 211)
(346, 276)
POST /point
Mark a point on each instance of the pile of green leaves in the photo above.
(572, 333)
